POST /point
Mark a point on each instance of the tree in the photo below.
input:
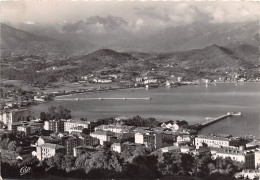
(68, 162)
(4, 143)
(169, 163)
(130, 152)
(12, 146)
(86, 131)
(19, 149)
(55, 113)
(142, 167)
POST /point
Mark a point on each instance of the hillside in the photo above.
(104, 58)
(212, 58)
(248, 52)
(19, 42)
(199, 35)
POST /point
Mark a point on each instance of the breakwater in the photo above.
(87, 99)
(210, 121)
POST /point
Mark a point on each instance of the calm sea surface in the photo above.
(190, 103)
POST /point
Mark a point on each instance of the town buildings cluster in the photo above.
(74, 137)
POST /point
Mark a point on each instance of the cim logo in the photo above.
(24, 170)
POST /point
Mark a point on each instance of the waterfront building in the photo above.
(40, 98)
(247, 157)
(150, 81)
(171, 149)
(55, 125)
(97, 80)
(13, 115)
(103, 136)
(75, 123)
(149, 139)
(217, 141)
(179, 79)
(139, 79)
(49, 150)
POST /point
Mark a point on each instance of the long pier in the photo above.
(87, 99)
(214, 120)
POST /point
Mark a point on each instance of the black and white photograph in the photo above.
(125, 90)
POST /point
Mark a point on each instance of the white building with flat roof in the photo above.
(69, 124)
(216, 141)
(49, 150)
(247, 157)
(149, 139)
(103, 136)
(115, 128)
(13, 115)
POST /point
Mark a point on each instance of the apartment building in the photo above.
(76, 123)
(55, 125)
(149, 139)
(69, 142)
(216, 141)
(115, 128)
(13, 115)
(236, 154)
(103, 136)
(48, 150)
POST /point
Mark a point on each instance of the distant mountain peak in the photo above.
(107, 21)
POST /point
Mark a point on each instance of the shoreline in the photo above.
(97, 91)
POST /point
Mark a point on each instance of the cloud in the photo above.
(153, 13)
(213, 12)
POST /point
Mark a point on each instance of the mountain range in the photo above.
(201, 44)
(111, 32)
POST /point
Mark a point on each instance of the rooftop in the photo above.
(77, 121)
(216, 137)
(170, 148)
(98, 132)
(53, 146)
(233, 151)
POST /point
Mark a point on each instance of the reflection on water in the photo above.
(191, 103)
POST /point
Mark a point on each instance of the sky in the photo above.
(137, 13)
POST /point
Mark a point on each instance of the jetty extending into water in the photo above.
(86, 99)
(210, 121)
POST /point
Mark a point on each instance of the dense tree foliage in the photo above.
(142, 167)
(138, 121)
(55, 113)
